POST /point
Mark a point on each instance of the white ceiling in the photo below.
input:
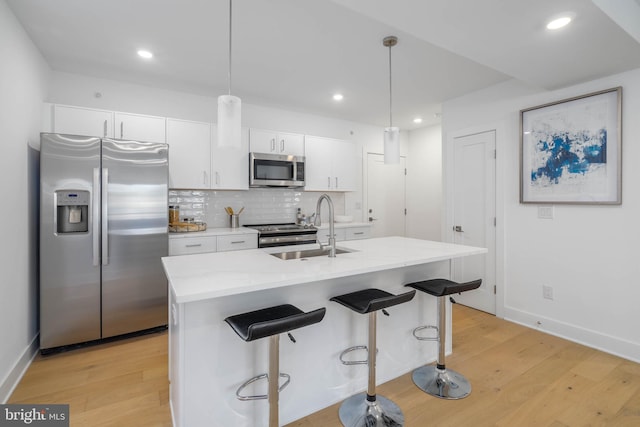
(295, 54)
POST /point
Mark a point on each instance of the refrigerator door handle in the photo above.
(95, 213)
(105, 217)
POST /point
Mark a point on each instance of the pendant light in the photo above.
(391, 133)
(229, 126)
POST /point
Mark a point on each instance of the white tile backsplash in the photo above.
(261, 205)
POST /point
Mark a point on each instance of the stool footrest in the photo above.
(257, 378)
(355, 362)
(423, 338)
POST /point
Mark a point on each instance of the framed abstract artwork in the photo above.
(571, 150)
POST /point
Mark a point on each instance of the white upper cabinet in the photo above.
(330, 165)
(139, 127)
(82, 121)
(267, 141)
(229, 165)
(189, 154)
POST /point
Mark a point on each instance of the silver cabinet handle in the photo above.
(358, 233)
(273, 144)
(238, 241)
(205, 181)
(121, 130)
(217, 178)
(282, 145)
(193, 245)
(95, 213)
(336, 182)
(105, 128)
(105, 216)
(328, 182)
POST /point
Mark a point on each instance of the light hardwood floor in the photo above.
(519, 376)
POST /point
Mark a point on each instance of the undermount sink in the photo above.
(307, 253)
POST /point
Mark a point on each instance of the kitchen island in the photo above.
(208, 361)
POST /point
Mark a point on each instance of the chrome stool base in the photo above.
(442, 383)
(357, 411)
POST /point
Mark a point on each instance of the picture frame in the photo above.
(571, 150)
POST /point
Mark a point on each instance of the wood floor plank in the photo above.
(519, 377)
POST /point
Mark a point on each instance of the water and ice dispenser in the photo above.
(72, 211)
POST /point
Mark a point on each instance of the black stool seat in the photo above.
(442, 287)
(368, 300)
(270, 321)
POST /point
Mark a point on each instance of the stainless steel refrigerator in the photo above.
(103, 230)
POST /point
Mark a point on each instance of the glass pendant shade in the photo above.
(229, 127)
(391, 145)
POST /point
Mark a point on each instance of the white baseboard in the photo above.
(609, 344)
(19, 368)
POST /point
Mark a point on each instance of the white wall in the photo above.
(588, 254)
(23, 81)
(424, 183)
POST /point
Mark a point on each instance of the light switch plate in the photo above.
(545, 212)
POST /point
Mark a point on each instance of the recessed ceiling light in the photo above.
(559, 22)
(145, 54)
(417, 120)
(338, 97)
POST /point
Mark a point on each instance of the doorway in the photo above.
(386, 205)
(474, 216)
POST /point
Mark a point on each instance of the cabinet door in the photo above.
(318, 159)
(229, 165)
(138, 127)
(82, 121)
(189, 154)
(268, 141)
(290, 143)
(263, 141)
(345, 165)
(192, 245)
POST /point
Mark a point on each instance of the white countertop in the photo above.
(212, 275)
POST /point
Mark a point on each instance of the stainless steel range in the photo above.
(271, 235)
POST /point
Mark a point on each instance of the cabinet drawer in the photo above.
(192, 245)
(323, 234)
(237, 242)
(356, 233)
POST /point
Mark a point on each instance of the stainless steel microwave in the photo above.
(276, 170)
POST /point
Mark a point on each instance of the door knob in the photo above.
(372, 219)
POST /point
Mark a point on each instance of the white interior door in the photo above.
(386, 196)
(474, 215)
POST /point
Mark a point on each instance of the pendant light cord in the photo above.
(230, 25)
(390, 91)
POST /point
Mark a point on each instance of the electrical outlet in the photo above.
(545, 212)
(547, 292)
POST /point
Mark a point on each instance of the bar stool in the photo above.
(367, 409)
(437, 380)
(271, 322)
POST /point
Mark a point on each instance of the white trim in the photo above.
(605, 343)
(501, 129)
(16, 373)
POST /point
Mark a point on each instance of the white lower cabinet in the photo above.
(344, 233)
(235, 242)
(192, 245)
(187, 245)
